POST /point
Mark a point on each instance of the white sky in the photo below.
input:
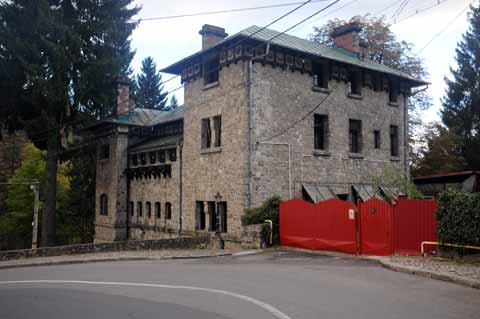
(168, 41)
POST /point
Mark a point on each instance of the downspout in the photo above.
(127, 219)
(180, 187)
(250, 124)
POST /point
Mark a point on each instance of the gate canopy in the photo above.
(318, 193)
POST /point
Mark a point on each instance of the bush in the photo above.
(458, 218)
(268, 210)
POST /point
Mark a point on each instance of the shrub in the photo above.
(458, 218)
(268, 210)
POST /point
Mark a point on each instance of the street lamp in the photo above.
(35, 188)
(218, 199)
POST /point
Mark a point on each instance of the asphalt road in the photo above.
(268, 285)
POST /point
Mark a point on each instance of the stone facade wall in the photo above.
(111, 179)
(283, 108)
(154, 190)
(252, 237)
(216, 170)
(173, 243)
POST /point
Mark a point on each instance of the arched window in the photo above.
(149, 209)
(157, 209)
(103, 204)
(168, 210)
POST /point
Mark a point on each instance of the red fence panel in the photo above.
(414, 222)
(375, 227)
(328, 225)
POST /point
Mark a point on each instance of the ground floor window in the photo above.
(217, 212)
(222, 212)
(168, 210)
(149, 209)
(200, 216)
(139, 209)
(130, 208)
(157, 209)
(212, 213)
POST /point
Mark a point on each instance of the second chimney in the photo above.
(124, 105)
(348, 37)
(211, 35)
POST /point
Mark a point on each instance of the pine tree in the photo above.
(149, 87)
(461, 105)
(62, 63)
(173, 103)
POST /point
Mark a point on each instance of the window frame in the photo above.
(139, 209)
(320, 75)
(355, 79)
(217, 126)
(206, 133)
(211, 70)
(355, 136)
(158, 210)
(103, 204)
(168, 211)
(377, 139)
(148, 210)
(394, 141)
(320, 132)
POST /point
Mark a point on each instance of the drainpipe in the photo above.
(180, 187)
(249, 123)
(127, 219)
(289, 163)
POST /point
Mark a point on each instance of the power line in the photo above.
(223, 11)
(444, 28)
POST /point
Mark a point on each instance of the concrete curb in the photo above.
(395, 267)
(108, 259)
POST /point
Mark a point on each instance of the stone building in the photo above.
(264, 114)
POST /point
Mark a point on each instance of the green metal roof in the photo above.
(301, 45)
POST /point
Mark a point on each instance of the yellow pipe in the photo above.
(422, 246)
(271, 230)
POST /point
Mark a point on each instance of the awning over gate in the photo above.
(365, 191)
(318, 192)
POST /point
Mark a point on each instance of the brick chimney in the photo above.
(124, 103)
(347, 37)
(363, 50)
(211, 35)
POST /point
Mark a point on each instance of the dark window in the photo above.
(143, 158)
(320, 75)
(355, 79)
(320, 131)
(206, 133)
(172, 154)
(355, 136)
(139, 209)
(394, 140)
(168, 210)
(222, 212)
(130, 208)
(393, 91)
(376, 139)
(212, 212)
(217, 126)
(103, 204)
(104, 152)
(211, 69)
(148, 208)
(157, 209)
(134, 160)
(200, 216)
(152, 157)
(161, 156)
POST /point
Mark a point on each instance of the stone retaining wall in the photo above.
(174, 243)
(252, 237)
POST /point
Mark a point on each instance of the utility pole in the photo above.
(35, 188)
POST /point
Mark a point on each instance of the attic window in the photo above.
(161, 156)
(393, 91)
(355, 79)
(152, 157)
(320, 75)
(211, 70)
(172, 154)
(143, 158)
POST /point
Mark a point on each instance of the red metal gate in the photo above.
(375, 227)
(328, 225)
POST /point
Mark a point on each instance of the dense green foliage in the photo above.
(149, 89)
(394, 183)
(440, 152)
(16, 225)
(461, 105)
(458, 218)
(258, 215)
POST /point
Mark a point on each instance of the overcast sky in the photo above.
(169, 40)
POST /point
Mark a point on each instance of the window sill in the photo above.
(395, 158)
(321, 89)
(355, 96)
(355, 155)
(211, 150)
(210, 85)
(321, 153)
(393, 104)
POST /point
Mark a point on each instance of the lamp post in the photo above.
(218, 225)
(35, 188)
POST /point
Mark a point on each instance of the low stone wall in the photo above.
(174, 243)
(252, 237)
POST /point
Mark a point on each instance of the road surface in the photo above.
(262, 286)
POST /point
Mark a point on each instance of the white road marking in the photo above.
(277, 313)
